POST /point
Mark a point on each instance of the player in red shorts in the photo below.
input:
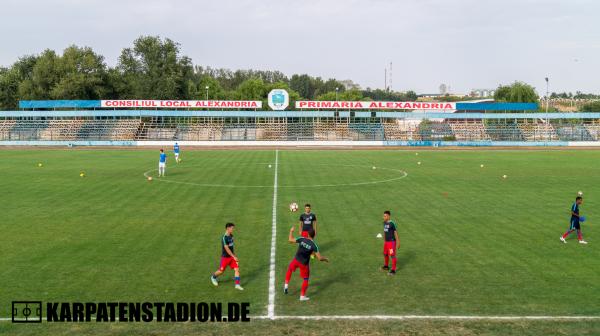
(306, 248)
(391, 243)
(227, 257)
(307, 222)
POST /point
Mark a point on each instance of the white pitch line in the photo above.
(271, 304)
(426, 317)
(416, 317)
(353, 184)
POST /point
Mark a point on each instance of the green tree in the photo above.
(231, 80)
(350, 95)
(251, 89)
(411, 95)
(328, 86)
(591, 107)
(517, 92)
(9, 85)
(82, 75)
(154, 69)
(11, 79)
(215, 90)
(385, 95)
(304, 85)
(44, 76)
(581, 95)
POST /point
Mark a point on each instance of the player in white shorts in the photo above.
(162, 163)
(176, 152)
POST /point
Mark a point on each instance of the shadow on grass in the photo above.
(404, 259)
(254, 273)
(327, 246)
(321, 285)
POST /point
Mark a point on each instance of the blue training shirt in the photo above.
(575, 209)
(163, 157)
(176, 148)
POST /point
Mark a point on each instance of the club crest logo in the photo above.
(279, 99)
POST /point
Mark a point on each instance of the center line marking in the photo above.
(271, 304)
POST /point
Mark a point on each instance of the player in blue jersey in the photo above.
(575, 222)
(162, 163)
(228, 258)
(176, 152)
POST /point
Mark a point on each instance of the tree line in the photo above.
(154, 68)
(577, 95)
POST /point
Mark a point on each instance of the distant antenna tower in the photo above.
(391, 89)
(385, 87)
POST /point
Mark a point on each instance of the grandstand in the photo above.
(284, 129)
(474, 124)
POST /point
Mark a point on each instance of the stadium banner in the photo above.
(182, 103)
(374, 105)
(140, 103)
(316, 105)
(43, 104)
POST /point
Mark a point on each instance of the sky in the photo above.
(465, 44)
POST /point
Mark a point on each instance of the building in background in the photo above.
(482, 93)
(350, 85)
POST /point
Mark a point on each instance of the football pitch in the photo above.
(473, 243)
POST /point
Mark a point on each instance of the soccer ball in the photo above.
(40, 164)
(149, 178)
(294, 207)
(504, 176)
(82, 174)
(580, 193)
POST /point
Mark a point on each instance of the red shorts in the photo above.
(228, 261)
(305, 234)
(304, 269)
(389, 248)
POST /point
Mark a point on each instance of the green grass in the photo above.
(472, 243)
(330, 328)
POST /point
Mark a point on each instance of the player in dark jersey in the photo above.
(306, 248)
(575, 222)
(391, 243)
(307, 222)
(228, 258)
